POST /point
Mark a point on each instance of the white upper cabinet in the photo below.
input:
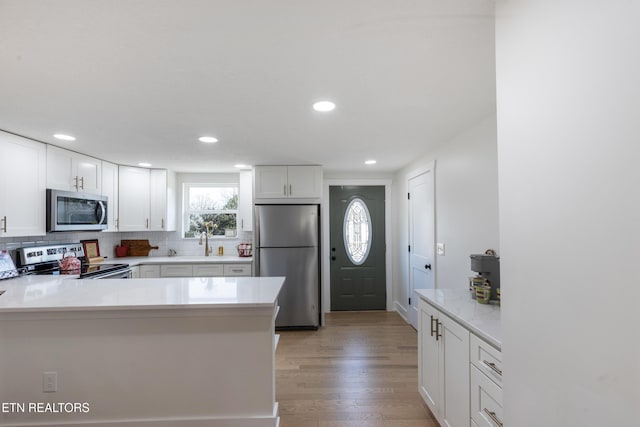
(162, 199)
(22, 186)
(147, 199)
(245, 202)
(110, 189)
(133, 192)
(70, 171)
(288, 182)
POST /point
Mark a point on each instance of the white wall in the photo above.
(466, 192)
(568, 118)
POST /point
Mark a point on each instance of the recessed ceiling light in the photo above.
(144, 164)
(64, 137)
(370, 162)
(241, 166)
(324, 106)
(208, 139)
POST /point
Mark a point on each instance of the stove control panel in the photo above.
(41, 254)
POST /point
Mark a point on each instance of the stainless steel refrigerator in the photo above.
(287, 244)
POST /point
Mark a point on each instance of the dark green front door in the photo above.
(357, 237)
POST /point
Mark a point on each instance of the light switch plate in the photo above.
(440, 248)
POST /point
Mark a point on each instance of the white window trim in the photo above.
(186, 186)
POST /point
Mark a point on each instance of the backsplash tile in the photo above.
(108, 241)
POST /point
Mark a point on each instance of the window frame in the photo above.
(186, 211)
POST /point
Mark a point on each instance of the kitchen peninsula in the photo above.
(140, 352)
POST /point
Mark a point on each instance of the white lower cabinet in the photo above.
(194, 270)
(149, 271)
(486, 400)
(208, 270)
(237, 269)
(444, 366)
(176, 270)
(135, 272)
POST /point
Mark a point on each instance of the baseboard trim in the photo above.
(402, 311)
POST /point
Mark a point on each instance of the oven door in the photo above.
(120, 274)
(69, 211)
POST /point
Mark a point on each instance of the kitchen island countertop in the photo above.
(60, 293)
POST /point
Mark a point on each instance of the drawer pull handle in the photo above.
(493, 417)
(4, 221)
(432, 330)
(493, 367)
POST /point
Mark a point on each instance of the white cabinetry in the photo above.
(133, 190)
(67, 170)
(486, 384)
(22, 186)
(135, 272)
(237, 270)
(147, 199)
(208, 270)
(110, 189)
(287, 182)
(245, 202)
(444, 366)
(162, 199)
(176, 270)
(149, 271)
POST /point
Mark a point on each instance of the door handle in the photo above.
(333, 249)
(427, 267)
(333, 258)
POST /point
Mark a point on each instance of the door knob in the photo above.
(333, 258)
(333, 249)
(427, 266)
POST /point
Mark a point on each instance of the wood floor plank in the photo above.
(360, 369)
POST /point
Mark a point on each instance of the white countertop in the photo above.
(60, 293)
(481, 319)
(212, 259)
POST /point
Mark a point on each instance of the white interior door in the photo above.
(421, 238)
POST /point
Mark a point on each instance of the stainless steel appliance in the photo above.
(287, 240)
(69, 211)
(44, 260)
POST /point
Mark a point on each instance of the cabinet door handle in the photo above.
(117, 223)
(147, 222)
(492, 366)
(290, 190)
(242, 224)
(284, 189)
(82, 182)
(432, 330)
(493, 417)
(4, 222)
(438, 334)
(76, 180)
(162, 223)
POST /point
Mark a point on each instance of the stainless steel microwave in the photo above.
(70, 211)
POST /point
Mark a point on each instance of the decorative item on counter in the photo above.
(91, 251)
(483, 293)
(206, 234)
(172, 252)
(245, 249)
(473, 283)
(138, 247)
(220, 250)
(121, 251)
(70, 264)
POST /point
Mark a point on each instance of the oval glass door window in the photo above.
(357, 231)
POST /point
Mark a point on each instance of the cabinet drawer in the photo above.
(487, 359)
(215, 270)
(237, 269)
(149, 271)
(176, 270)
(486, 400)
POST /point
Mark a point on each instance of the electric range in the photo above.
(43, 260)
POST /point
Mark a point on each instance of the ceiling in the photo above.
(141, 80)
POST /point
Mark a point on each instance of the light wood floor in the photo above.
(361, 369)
